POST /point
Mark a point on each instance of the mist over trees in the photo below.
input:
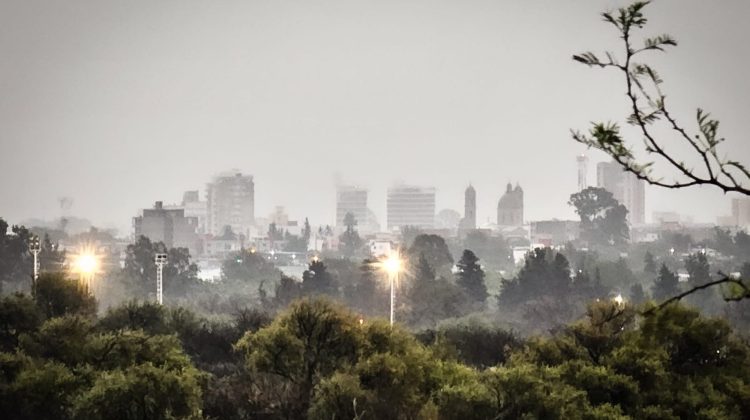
(604, 327)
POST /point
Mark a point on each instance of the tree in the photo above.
(316, 280)
(544, 273)
(603, 219)
(666, 284)
(434, 249)
(310, 341)
(248, 267)
(470, 277)
(648, 110)
(649, 264)
(287, 291)
(700, 273)
(431, 298)
(18, 315)
(140, 269)
(56, 295)
(51, 258)
(15, 259)
(350, 240)
(637, 294)
(366, 292)
(494, 251)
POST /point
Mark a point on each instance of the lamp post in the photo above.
(160, 260)
(392, 266)
(35, 247)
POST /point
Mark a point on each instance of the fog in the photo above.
(120, 104)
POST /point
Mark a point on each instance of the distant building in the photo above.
(193, 207)
(554, 233)
(510, 207)
(169, 226)
(741, 211)
(469, 222)
(626, 188)
(350, 199)
(231, 202)
(410, 206)
(222, 246)
(583, 172)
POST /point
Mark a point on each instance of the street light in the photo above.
(392, 265)
(86, 264)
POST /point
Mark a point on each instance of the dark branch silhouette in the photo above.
(648, 105)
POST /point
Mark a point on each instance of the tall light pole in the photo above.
(160, 260)
(35, 247)
(392, 266)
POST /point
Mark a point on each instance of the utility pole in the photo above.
(160, 260)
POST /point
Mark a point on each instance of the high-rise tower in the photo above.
(583, 172)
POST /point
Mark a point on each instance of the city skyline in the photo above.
(428, 92)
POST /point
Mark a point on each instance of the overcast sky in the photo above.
(121, 103)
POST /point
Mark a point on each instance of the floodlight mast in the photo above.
(160, 260)
(35, 247)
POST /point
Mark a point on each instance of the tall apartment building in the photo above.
(583, 172)
(350, 199)
(231, 202)
(169, 226)
(410, 206)
(626, 188)
(510, 207)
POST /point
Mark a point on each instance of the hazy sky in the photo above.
(119, 104)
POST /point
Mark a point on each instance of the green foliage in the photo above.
(470, 278)
(350, 242)
(139, 271)
(474, 342)
(18, 315)
(316, 280)
(603, 219)
(433, 249)
(494, 251)
(544, 273)
(15, 260)
(141, 391)
(432, 299)
(248, 267)
(649, 264)
(309, 341)
(666, 285)
(56, 295)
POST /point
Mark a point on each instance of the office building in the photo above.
(583, 172)
(410, 206)
(169, 226)
(231, 202)
(626, 189)
(350, 199)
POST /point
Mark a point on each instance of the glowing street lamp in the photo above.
(86, 264)
(392, 265)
